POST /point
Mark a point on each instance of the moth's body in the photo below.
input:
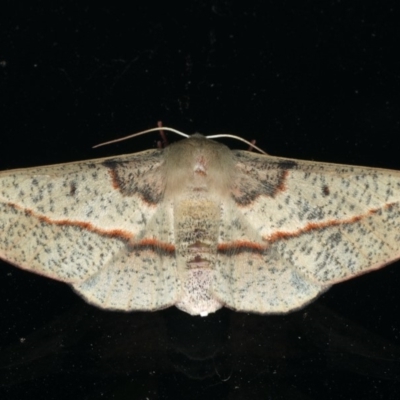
(197, 199)
(200, 226)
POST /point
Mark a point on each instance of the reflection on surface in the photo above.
(226, 354)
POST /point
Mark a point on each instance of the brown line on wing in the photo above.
(113, 233)
(154, 245)
(311, 226)
(242, 246)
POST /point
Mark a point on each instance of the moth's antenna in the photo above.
(142, 133)
(227, 135)
(165, 128)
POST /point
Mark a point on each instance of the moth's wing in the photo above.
(293, 228)
(100, 225)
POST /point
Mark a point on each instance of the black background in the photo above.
(317, 80)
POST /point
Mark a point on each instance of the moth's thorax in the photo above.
(198, 164)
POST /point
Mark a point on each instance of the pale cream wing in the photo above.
(296, 227)
(140, 276)
(88, 223)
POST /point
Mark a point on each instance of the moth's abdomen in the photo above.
(196, 234)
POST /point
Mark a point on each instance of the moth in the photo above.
(200, 226)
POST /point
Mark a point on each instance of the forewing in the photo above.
(76, 222)
(303, 227)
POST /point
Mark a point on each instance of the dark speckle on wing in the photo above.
(145, 180)
(256, 177)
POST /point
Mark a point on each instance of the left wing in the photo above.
(96, 225)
